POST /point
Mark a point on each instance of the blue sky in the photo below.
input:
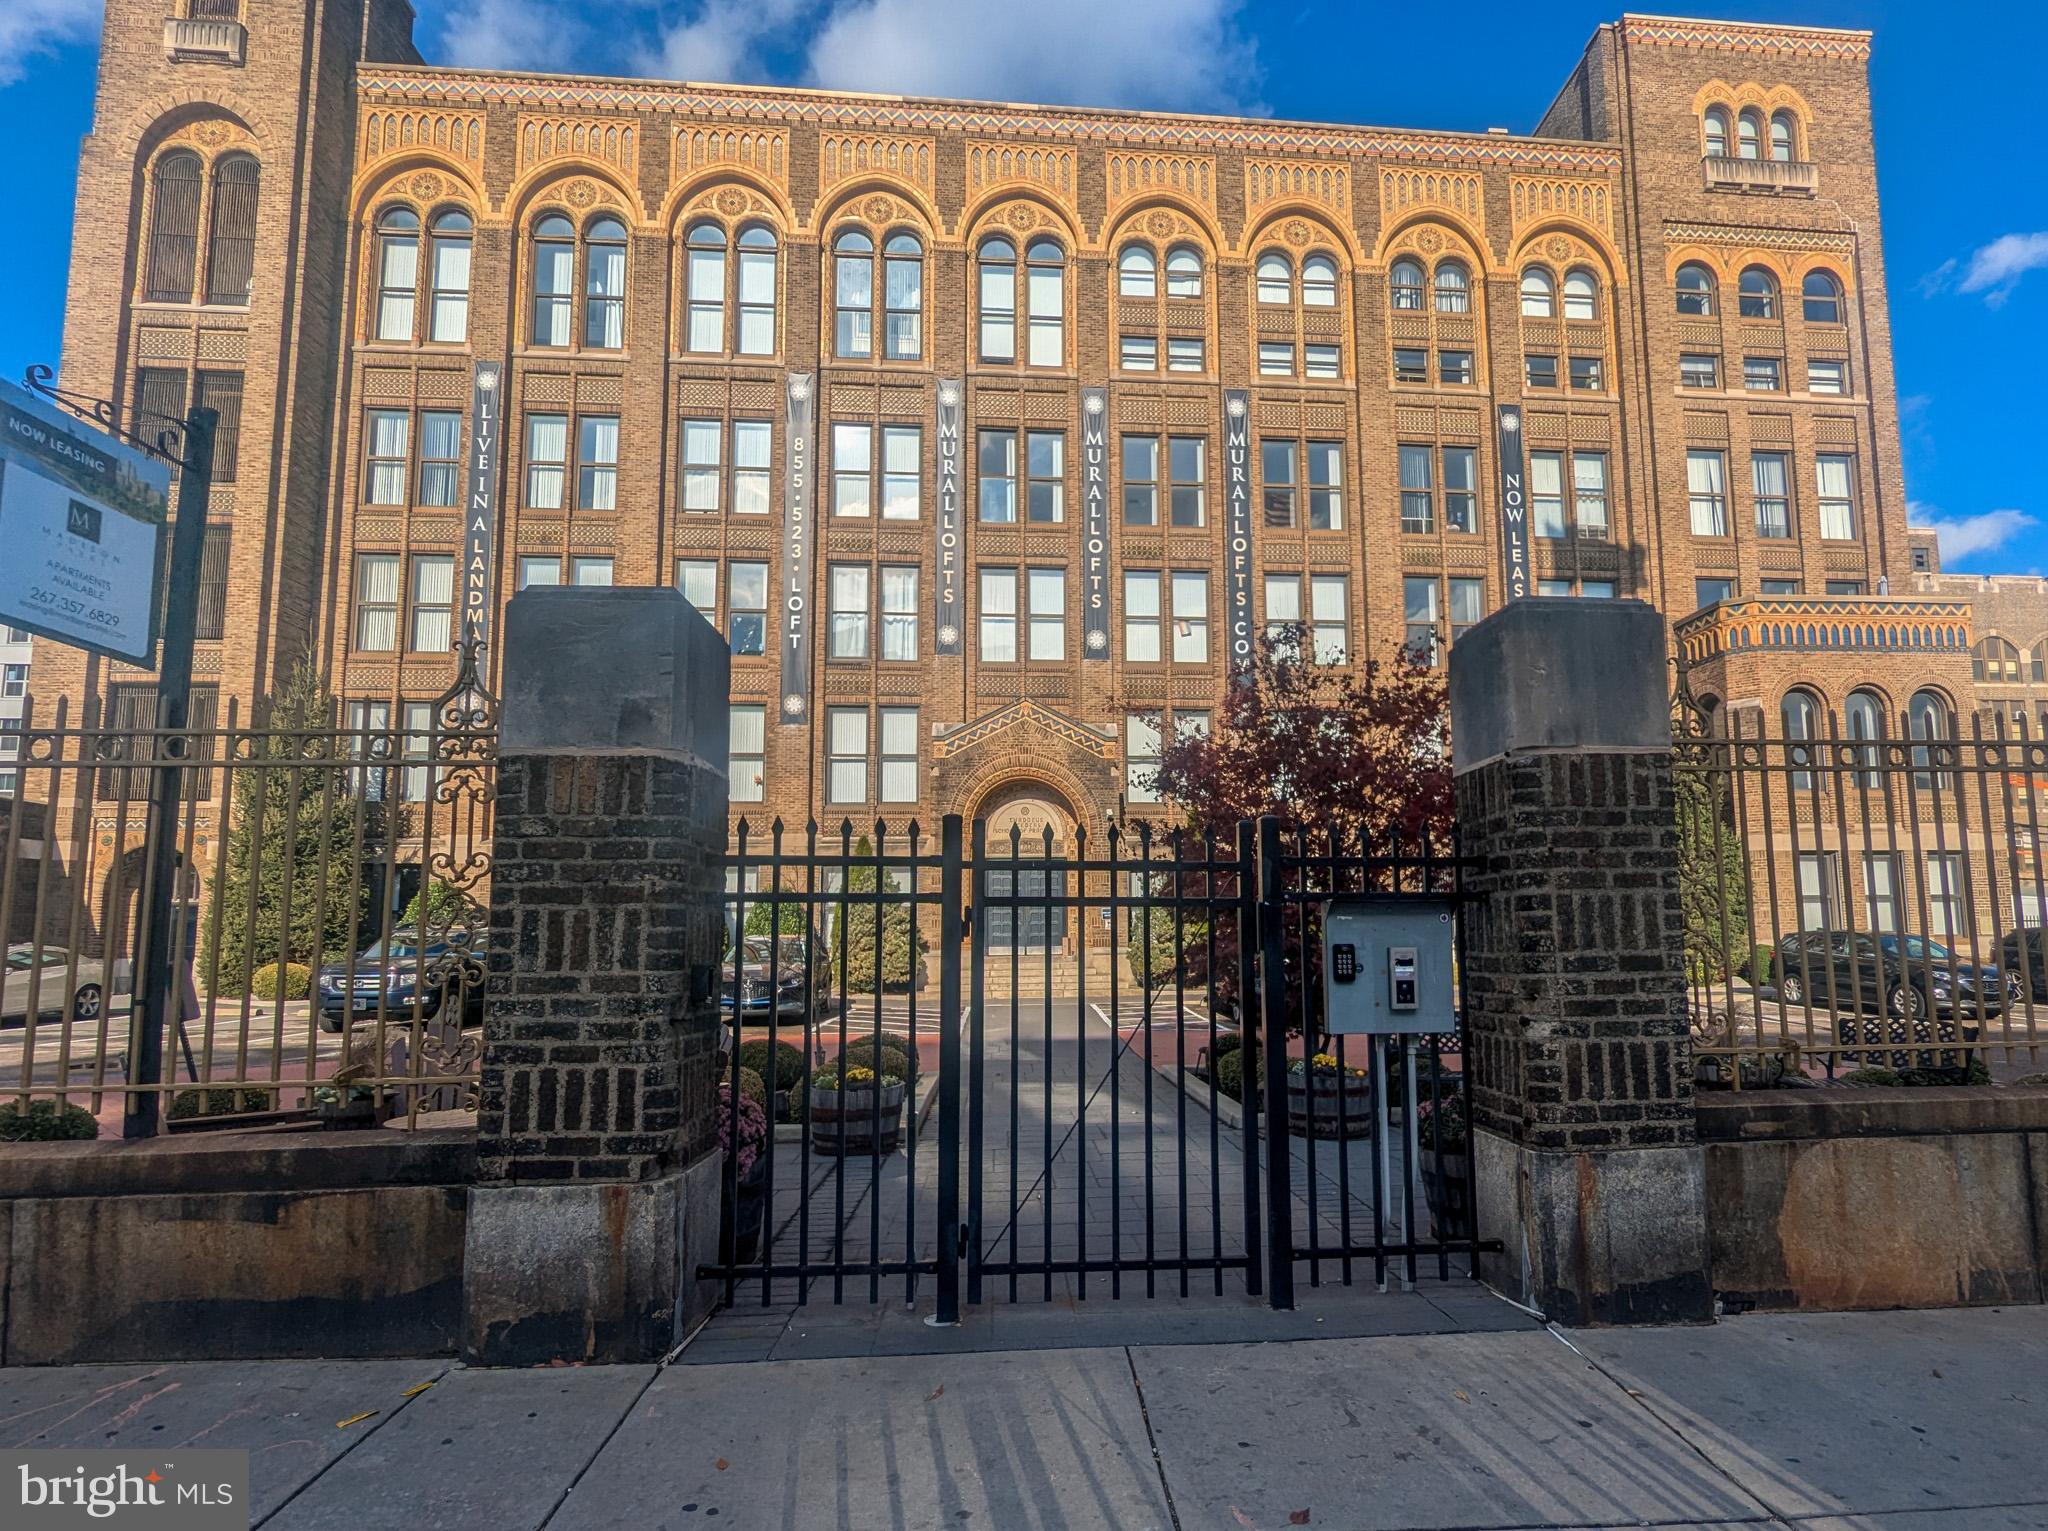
(1960, 110)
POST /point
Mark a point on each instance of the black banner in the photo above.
(1514, 503)
(1095, 523)
(1237, 529)
(946, 568)
(486, 428)
(798, 533)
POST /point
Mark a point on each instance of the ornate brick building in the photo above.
(991, 434)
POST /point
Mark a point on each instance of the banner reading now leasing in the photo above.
(160, 1491)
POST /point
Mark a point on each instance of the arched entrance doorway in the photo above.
(1018, 818)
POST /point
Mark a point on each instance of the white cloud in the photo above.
(1995, 269)
(32, 27)
(1966, 536)
(510, 34)
(723, 41)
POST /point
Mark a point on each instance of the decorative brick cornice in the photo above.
(456, 87)
(1740, 37)
(967, 735)
(1750, 236)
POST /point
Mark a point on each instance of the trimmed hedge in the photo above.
(784, 1061)
(298, 981)
(1230, 1075)
(41, 1122)
(221, 1102)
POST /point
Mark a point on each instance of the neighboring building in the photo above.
(14, 663)
(2009, 664)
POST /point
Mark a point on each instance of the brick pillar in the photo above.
(1585, 1156)
(597, 1190)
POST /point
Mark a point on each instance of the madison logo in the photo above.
(83, 521)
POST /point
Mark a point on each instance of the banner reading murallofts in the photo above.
(1095, 523)
(946, 571)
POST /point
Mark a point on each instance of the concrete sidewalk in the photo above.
(1877, 1422)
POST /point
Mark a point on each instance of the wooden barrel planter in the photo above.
(843, 1121)
(1329, 1105)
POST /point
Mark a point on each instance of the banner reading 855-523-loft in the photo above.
(798, 532)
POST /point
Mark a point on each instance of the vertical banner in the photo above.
(1095, 523)
(797, 536)
(480, 520)
(946, 572)
(1237, 531)
(1514, 503)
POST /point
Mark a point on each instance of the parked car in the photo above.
(53, 985)
(783, 995)
(1904, 977)
(2025, 955)
(395, 969)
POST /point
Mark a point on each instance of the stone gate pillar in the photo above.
(597, 1191)
(1586, 1160)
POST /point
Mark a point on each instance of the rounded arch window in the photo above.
(1045, 287)
(1717, 130)
(1581, 294)
(554, 280)
(1749, 134)
(1695, 289)
(231, 239)
(1757, 294)
(1800, 715)
(903, 296)
(1137, 273)
(2037, 662)
(1404, 283)
(1319, 282)
(448, 263)
(1863, 722)
(997, 261)
(398, 272)
(604, 285)
(853, 294)
(174, 228)
(1821, 297)
(1453, 288)
(757, 255)
(1275, 278)
(1539, 294)
(1784, 137)
(1183, 272)
(1995, 659)
(704, 288)
(1927, 718)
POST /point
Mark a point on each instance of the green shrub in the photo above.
(1976, 1071)
(1874, 1078)
(298, 980)
(853, 936)
(221, 1102)
(792, 914)
(1227, 1043)
(41, 1122)
(1230, 1074)
(784, 1061)
(444, 907)
(1156, 960)
(751, 1088)
(893, 1060)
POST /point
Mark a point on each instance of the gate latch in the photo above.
(963, 1241)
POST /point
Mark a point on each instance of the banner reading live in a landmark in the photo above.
(480, 518)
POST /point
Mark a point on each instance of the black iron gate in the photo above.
(917, 1094)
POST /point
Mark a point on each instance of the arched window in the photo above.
(604, 285)
(1927, 718)
(757, 290)
(398, 272)
(173, 228)
(704, 288)
(1822, 298)
(1749, 133)
(903, 297)
(2037, 662)
(1319, 282)
(448, 276)
(1757, 294)
(1137, 273)
(1581, 294)
(1276, 279)
(231, 241)
(1800, 713)
(1453, 288)
(554, 280)
(1539, 294)
(1994, 659)
(1717, 131)
(853, 294)
(1045, 303)
(1784, 139)
(998, 300)
(1404, 283)
(1695, 289)
(1863, 721)
(1183, 272)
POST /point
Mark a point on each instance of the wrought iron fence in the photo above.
(324, 912)
(1862, 900)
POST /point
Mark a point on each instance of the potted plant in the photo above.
(1444, 1138)
(845, 1106)
(1327, 1099)
(745, 1189)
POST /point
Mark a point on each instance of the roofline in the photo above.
(1755, 26)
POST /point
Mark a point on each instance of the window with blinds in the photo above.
(130, 715)
(213, 583)
(159, 399)
(222, 391)
(231, 240)
(173, 228)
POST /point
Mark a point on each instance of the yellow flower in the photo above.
(856, 1077)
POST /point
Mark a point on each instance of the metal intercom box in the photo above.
(1387, 965)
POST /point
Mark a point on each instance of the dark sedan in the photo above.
(758, 993)
(394, 972)
(1904, 977)
(2025, 955)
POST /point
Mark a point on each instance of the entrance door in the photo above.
(1028, 926)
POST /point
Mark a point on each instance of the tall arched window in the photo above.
(1717, 131)
(1821, 296)
(1994, 659)
(1319, 282)
(1927, 719)
(1539, 294)
(1045, 300)
(1453, 288)
(757, 290)
(1863, 721)
(173, 228)
(554, 281)
(704, 288)
(853, 294)
(1784, 139)
(1800, 713)
(604, 285)
(1404, 283)
(1757, 294)
(2037, 662)
(998, 300)
(398, 272)
(1581, 294)
(231, 240)
(1276, 279)
(1183, 272)
(903, 297)
(448, 271)
(1749, 133)
(1695, 289)
(1137, 274)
